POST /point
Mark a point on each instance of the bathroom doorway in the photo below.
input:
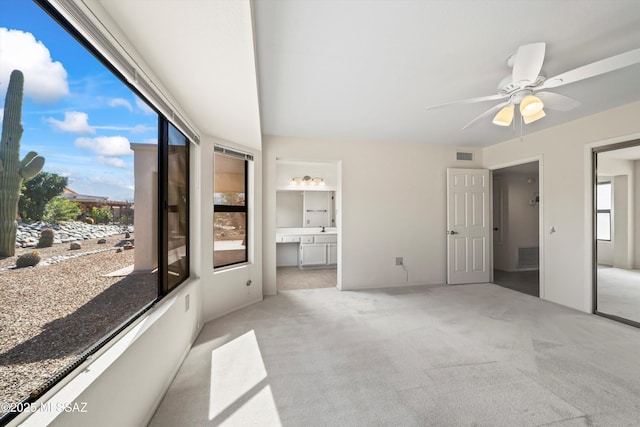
(306, 225)
(516, 205)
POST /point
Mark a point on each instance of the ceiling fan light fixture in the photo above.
(534, 117)
(504, 116)
(530, 106)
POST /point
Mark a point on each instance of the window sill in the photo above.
(226, 268)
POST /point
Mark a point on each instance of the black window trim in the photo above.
(236, 208)
(163, 208)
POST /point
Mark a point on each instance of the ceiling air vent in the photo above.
(464, 156)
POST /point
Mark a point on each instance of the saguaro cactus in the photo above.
(12, 170)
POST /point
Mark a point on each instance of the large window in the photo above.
(603, 211)
(230, 207)
(103, 230)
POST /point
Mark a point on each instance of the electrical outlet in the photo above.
(399, 260)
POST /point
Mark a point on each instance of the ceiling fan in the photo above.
(526, 86)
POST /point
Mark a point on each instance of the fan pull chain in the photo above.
(521, 126)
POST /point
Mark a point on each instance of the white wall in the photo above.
(567, 193)
(392, 203)
(622, 203)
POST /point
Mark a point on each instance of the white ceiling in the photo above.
(203, 53)
(368, 69)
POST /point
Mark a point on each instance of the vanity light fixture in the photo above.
(307, 180)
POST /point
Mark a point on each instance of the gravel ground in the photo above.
(50, 314)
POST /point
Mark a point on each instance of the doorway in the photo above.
(516, 233)
(306, 225)
(616, 249)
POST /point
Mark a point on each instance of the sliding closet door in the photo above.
(616, 230)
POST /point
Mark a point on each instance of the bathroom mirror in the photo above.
(299, 209)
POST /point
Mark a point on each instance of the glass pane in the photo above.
(229, 238)
(603, 226)
(229, 181)
(82, 213)
(178, 212)
(603, 195)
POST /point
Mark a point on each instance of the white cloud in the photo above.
(106, 145)
(1, 115)
(112, 161)
(141, 129)
(44, 80)
(144, 107)
(120, 102)
(113, 127)
(74, 122)
(134, 129)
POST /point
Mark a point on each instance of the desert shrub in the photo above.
(46, 238)
(61, 210)
(102, 215)
(28, 259)
(36, 192)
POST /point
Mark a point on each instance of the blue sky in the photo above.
(76, 113)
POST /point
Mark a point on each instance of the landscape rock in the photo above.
(28, 233)
(102, 241)
(75, 246)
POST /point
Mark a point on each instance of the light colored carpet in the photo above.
(619, 292)
(291, 278)
(463, 355)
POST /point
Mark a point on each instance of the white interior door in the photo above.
(468, 226)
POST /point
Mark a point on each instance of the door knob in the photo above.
(453, 232)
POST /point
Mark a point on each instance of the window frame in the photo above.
(604, 211)
(164, 285)
(219, 150)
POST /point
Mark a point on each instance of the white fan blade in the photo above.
(528, 63)
(594, 69)
(555, 101)
(470, 101)
(490, 111)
